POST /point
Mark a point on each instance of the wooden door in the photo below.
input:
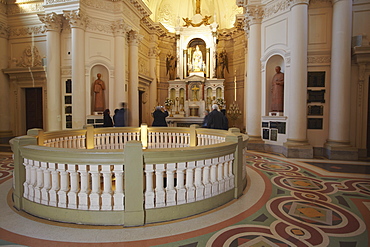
(34, 117)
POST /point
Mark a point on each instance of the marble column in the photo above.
(5, 113)
(133, 99)
(53, 24)
(254, 79)
(120, 29)
(77, 21)
(153, 55)
(297, 144)
(339, 114)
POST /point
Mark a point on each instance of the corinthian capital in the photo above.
(76, 18)
(120, 28)
(135, 37)
(254, 14)
(52, 21)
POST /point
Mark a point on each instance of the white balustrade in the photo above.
(206, 178)
(168, 140)
(118, 196)
(64, 186)
(83, 195)
(72, 194)
(189, 183)
(47, 184)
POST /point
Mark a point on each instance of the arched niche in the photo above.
(192, 49)
(272, 62)
(99, 69)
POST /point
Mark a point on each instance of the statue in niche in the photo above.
(171, 66)
(197, 60)
(277, 91)
(222, 63)
(99, 88)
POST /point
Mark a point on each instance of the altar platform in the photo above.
(183, 121)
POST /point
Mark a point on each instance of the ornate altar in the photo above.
(196, 86)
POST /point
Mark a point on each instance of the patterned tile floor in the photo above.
(287, 202)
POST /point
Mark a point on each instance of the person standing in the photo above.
(99, 88)
(215, 118)
(107, 119)
(205, 119)
(226, 121)
(159, 116)
(120, 118)
(277, 91)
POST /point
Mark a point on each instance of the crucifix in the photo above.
(195, 90)
(197, 7)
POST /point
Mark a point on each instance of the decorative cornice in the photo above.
(52, 21)
(120, 28)
(275, 8)
(318, 59)
(27, 31)
(14, 9)
(100, 4)
(143, 10)
(76, 18)
(47, 2)
(320, 3)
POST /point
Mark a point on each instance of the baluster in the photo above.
(39, 181)
(244, 163)
(118, 196)
(79, 142)
(178, 141)
(54, 185)
(150, 141)
(149, 192)
(206, 179)
(190, 195)
(27, 164)
(124, 138)
(95, 188)
(70, 139)
(32, 184)
(159, 190)
(74, 142)
(199, 188)
(226, 173)
(182, 140)
(157, 140)
(83, 142)
(170, 188)
(47, 184)
(72, 194)
(103, 142)
(121, 141)
(130, 136)
(108, 144)
(116, 143)
(161, 142)
(230, 172)
(107, 188)
(214, 181)
(64, 186)
(83, 201)
(220, 175)
(181, 191)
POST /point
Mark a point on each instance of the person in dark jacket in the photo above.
(215, 118)
(120, 117)
(205, 119)
(159, 116)
(107, 119)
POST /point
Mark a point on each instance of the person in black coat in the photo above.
(107, 119)
(120, 118)
(159, 116)
(215, 118)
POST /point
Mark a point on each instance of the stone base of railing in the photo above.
(105, 218)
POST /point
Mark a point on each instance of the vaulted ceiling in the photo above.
(171, 12)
